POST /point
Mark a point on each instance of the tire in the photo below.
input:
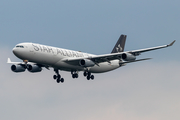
(54, 76)
(85, 74)
(92, 77)
(58, 80)
(88, 77)
(62, 80)
(76, 75)
(73, 76)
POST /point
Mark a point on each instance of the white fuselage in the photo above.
(55, 57)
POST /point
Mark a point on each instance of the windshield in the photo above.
(20, 46)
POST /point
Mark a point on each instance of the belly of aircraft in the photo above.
(105, 67)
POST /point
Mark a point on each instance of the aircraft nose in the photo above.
(14, 50)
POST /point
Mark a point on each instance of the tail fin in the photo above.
(119, 47)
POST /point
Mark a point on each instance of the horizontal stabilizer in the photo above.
(121, 63)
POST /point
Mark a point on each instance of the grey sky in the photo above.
(145, 90)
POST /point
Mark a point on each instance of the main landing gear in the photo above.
(74, 74)
(57, 77)
(89, 76)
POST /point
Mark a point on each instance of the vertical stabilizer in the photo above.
(119, 47)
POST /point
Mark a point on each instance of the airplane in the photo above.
(36, 56)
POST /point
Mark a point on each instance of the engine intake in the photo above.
(18, 68)
(86, 63)
(34, 68)
(128, 57)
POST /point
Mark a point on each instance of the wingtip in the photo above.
(172, 43)
(8, 60)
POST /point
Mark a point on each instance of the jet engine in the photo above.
(128, 57)
(34, 68)
(86, 63)
(18, 68)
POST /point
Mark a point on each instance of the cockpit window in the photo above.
(20, 46)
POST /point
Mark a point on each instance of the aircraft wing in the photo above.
(9, 62)
(25, 64)
(136, 52)
(96, 58)
(114, 56)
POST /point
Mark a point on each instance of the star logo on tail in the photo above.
(119, 48)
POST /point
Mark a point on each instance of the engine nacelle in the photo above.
(128, 57)
(34, 68)
(18, 68)
(86, 63)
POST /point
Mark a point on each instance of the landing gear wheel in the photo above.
(58, 80)
(92, 77)
(85, 73)
(73, 76)
(62, 80)
(88, 77)
(54, 76)
(76, 75)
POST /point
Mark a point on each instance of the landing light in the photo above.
(25, 61)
